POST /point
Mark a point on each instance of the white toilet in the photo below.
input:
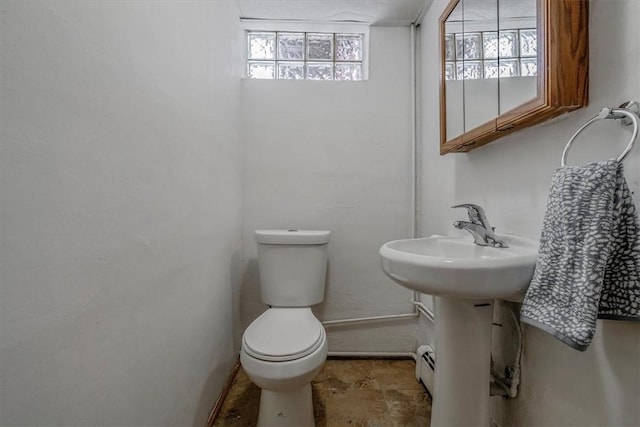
(286, 346)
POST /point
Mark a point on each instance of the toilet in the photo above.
(286, 346)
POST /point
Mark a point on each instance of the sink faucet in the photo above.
(479, 227)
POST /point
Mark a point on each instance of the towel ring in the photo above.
(628, 117)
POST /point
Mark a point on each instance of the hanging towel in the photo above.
(589, 258)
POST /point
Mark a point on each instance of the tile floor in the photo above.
(347, 392)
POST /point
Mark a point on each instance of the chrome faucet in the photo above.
(479, 227)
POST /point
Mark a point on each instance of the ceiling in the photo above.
(480, 10)
(381, 12)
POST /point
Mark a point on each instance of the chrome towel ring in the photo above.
(627, 112)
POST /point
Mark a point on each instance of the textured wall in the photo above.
(510, 178)
(120, 210)
(336, 156)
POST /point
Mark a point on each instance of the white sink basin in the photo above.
(456, 267)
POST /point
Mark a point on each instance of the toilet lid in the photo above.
(282, 334)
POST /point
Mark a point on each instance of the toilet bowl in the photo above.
(282, 351)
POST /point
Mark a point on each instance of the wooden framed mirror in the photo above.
(507, 65)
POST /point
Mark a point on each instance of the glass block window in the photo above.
(300, 55)
(491, 54)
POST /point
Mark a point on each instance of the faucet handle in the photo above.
(476, 214)
(469, 206)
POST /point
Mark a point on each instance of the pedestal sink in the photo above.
(465, 278)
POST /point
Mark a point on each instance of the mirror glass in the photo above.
(490, 52)
(480, 29)
(453, 86)
(517, 49)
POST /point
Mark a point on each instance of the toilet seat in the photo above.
(283, 334)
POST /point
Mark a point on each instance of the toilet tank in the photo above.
(292, 266)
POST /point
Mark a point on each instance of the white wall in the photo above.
(121, 209)
(510, 178)
(336, 156)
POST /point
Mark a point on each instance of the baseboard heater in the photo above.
(425, 366)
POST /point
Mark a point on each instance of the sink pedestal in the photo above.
(463, 362)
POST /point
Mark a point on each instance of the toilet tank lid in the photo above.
(292, 237)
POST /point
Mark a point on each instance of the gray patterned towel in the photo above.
(589, 258)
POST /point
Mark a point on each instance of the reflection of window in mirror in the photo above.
(491, 54)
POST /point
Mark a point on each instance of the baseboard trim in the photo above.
(215, 411)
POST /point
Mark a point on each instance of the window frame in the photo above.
(307, 27)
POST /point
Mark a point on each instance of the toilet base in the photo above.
(286, 408)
